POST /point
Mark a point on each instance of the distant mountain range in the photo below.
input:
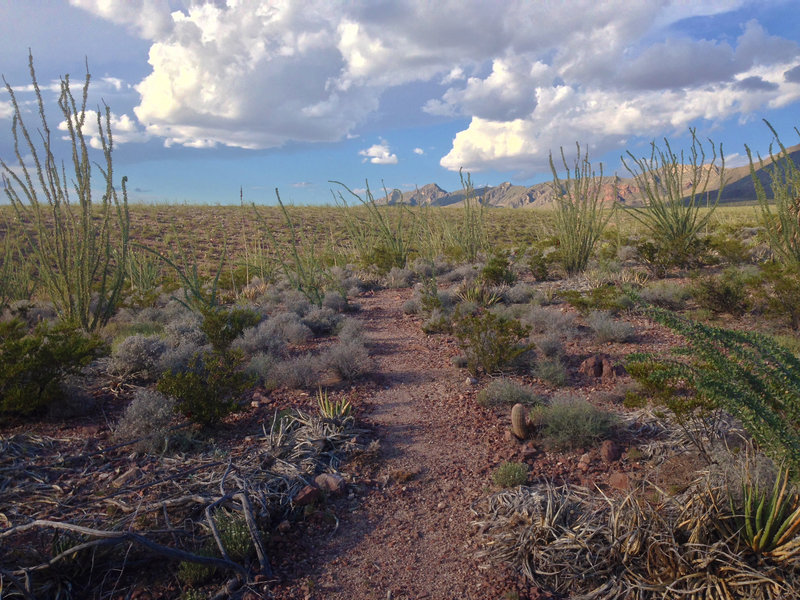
(738, 188)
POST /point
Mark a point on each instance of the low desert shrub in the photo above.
(147, 419)
(260, 338)
(551, 370)
(289, 327)
(550, 321)
(550, 346)
(569, 422)
(300, 372)
(322, 321)
(350, 360)
(33, 363)
(438, 321)
(138, 356)
(520, 293)
(497, 270)
(724, 293)
(351, 330)
(780, 289)
(336, 302)
(260, 366)
(607, 329)
(223, 326)
(210, 388)
(510, 474)
(491, 344)
(666, 294)
(605, 297)
(399, 278)
(505, 391)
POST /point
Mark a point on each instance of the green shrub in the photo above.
(490, 343)
(505, 391)
(223, 326)
(724, 293)
(210, 388)
(34, 363)
(569, 422)
(498, 270)
(781, 291)
(539, 265)
(605, 297)
(510, 474)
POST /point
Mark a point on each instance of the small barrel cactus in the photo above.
(519, 421)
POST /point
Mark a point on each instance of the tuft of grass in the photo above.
(505, 391)
(607, 329)
(569, 422)
(510, 474)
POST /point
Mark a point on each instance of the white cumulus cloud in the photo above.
(379, 154)
(529, 76)
(419, 151)
(124, 129)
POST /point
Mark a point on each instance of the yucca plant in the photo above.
(580, 217)
(332, 409)
(768, 522)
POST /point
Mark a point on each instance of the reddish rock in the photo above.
(307, 495)
(619, 481)
(609, 451)
(330, 482)
(599, 367)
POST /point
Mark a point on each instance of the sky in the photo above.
(210, 97)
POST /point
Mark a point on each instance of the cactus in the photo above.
(519, 421)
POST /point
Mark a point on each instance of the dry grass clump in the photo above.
(570, 422)
(506, 391)
(607, 329)
(550, 321)
(583, 546)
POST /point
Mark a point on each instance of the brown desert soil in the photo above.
(410, 535)
(403, 528)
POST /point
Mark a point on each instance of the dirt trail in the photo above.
(410, 535)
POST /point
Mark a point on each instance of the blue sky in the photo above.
(211, 96)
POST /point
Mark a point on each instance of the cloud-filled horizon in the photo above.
(421, 88)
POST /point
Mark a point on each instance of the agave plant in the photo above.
(769, 522)
(332, 409)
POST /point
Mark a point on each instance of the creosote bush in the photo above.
(491, 343)
(33, 363)
(210, 388)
